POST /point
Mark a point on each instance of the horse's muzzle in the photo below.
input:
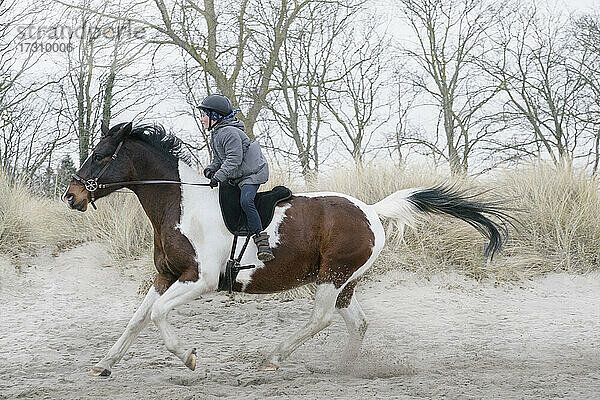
(69, 199)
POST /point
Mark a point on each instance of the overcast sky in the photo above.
(579, 4)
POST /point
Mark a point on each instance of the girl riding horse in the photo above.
(238, 160)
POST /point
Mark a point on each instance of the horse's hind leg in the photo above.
(350, 310)
(139, 320)
(325, 299)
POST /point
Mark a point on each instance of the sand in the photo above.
(443, 337)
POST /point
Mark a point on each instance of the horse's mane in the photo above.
(156, 136)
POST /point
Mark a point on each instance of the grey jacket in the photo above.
(235, 157)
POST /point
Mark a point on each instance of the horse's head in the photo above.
(107, 163)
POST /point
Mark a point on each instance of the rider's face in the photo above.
(205, 120)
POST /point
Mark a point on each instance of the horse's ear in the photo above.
(126, 130)
(104, 128)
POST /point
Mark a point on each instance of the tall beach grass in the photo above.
(557, 209)
(121, 223)
(29, 222)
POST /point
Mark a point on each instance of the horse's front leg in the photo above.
(139, 320)
(181, 292)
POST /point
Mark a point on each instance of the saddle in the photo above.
(235, 220)
(234, 217)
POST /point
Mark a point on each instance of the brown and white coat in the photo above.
(327, 238)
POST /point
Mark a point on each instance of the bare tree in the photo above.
(541, 81)
(27, 136)
(586, 34)
(16, 60)
(450, 37)
(304, 68)
(237, 44)
(405, 136)
(98, 86)
(357, 102)
(29, 139)
(187, 80)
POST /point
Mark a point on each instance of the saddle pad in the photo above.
(234, 217)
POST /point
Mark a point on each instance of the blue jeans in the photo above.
(247, 203)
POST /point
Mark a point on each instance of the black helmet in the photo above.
(217, 103)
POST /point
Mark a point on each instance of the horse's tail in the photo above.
(405, 206)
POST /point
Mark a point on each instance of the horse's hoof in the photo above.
(191, 360)
(99, 371)
(268, 366)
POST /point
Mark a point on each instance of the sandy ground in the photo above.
(446, 337)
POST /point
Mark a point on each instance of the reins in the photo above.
(106, 185)
(91, 185)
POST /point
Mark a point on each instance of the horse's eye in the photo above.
(97, 157)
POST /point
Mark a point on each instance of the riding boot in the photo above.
(264, 252)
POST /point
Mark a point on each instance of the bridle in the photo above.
(91, 185)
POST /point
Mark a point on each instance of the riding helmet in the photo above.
(217, 103)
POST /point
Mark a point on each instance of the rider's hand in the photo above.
(208, 173)
(213, 182)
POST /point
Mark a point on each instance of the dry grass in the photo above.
(557, 210)
(559, 221)
(371, 184)
(28, 222)
(17, 232)
(121, 222)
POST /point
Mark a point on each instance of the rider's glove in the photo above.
(213, 182)
(208, 173)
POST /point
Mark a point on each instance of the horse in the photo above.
(330, 239)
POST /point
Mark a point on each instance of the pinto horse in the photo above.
(330, 239)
